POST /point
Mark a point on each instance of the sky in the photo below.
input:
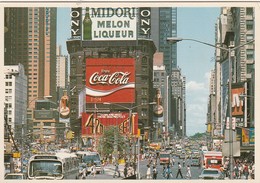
(194, 59)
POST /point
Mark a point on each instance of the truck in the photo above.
(165, 158)
(212, 159)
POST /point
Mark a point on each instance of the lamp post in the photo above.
(229, 50)
(130, 109)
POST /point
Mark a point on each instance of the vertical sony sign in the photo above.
(145, 22)
(75, 22)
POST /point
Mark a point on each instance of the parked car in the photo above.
(211, 173)
(15, 176)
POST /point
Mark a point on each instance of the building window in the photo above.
(249, 24)
(249, 37)
(249, 11)
(249, 54)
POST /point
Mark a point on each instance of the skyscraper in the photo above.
(30, 39)
(164, 24)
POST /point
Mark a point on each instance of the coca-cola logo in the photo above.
(116, 78)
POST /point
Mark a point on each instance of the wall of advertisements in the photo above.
(110, 80)
(96, 123)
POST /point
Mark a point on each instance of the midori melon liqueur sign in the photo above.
(109, 23)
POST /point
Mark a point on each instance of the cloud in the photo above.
(195, 86)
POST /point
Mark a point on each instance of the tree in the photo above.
(111, 140)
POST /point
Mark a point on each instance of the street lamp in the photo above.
(229, 50)
(130, 109)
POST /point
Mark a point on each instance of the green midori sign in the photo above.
(109, 23)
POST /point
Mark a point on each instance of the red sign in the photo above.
(110, 80)
(93, 123)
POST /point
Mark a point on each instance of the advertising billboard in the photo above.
(109, 23)
(145, 22)
(110, 80)
(236, 100)
(64, 107)
(96, 123)
(75, 22)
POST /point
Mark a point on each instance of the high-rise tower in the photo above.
(30, 39)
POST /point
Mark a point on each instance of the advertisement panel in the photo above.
(109, 23)
(145, 22)
(245, 137)
(237, 102)
(75, 22)
(96, 123)
(64, 108)
(110, 80)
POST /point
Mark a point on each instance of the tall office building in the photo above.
(15, 85)
(163, 25)
(30, 39)
(62, 72)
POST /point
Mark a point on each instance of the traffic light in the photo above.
(72, 134)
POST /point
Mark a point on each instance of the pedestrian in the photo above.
(154, 172)
(179, 171)
(246, 171)
(125, 170)
(188, 174)
(83, 172)
(116, 170)
(148, 172)
(168, 172)
(173, 161)
(164, 170)
(93, 170)
(236, 171)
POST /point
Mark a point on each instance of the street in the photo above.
(109, 171)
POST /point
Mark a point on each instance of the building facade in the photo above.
(235, 29)
(15, 98)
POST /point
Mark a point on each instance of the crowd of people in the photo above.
(242, 169)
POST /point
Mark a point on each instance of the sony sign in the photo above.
(75, 22)
(145, 22)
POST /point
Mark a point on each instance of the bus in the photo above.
(53, 166)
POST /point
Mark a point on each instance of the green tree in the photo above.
(111, 140)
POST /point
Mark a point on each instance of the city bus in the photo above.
(53, 166)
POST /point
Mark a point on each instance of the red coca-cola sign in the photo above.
(110, 80)
(96, 123)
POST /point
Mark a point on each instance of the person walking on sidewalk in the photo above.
(188, 174)
(155, 172)
(116, 170)
(148, 172)
(179, 171)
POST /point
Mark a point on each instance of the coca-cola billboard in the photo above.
(110, 80)
(96, 123)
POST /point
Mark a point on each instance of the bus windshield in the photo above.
(91, 158)
(45, 168)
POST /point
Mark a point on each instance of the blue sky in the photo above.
(194, 59)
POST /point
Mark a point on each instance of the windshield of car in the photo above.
(210, 172)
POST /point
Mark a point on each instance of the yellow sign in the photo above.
(16, 155)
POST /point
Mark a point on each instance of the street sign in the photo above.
(226, 149)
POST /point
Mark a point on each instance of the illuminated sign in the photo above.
(109, 23)
(96, 123)
(110, 80)
(75, 22)
(236, 101)
(145, 22)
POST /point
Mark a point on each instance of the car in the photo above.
(195, 162)
(15, 176)
(211, 173)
